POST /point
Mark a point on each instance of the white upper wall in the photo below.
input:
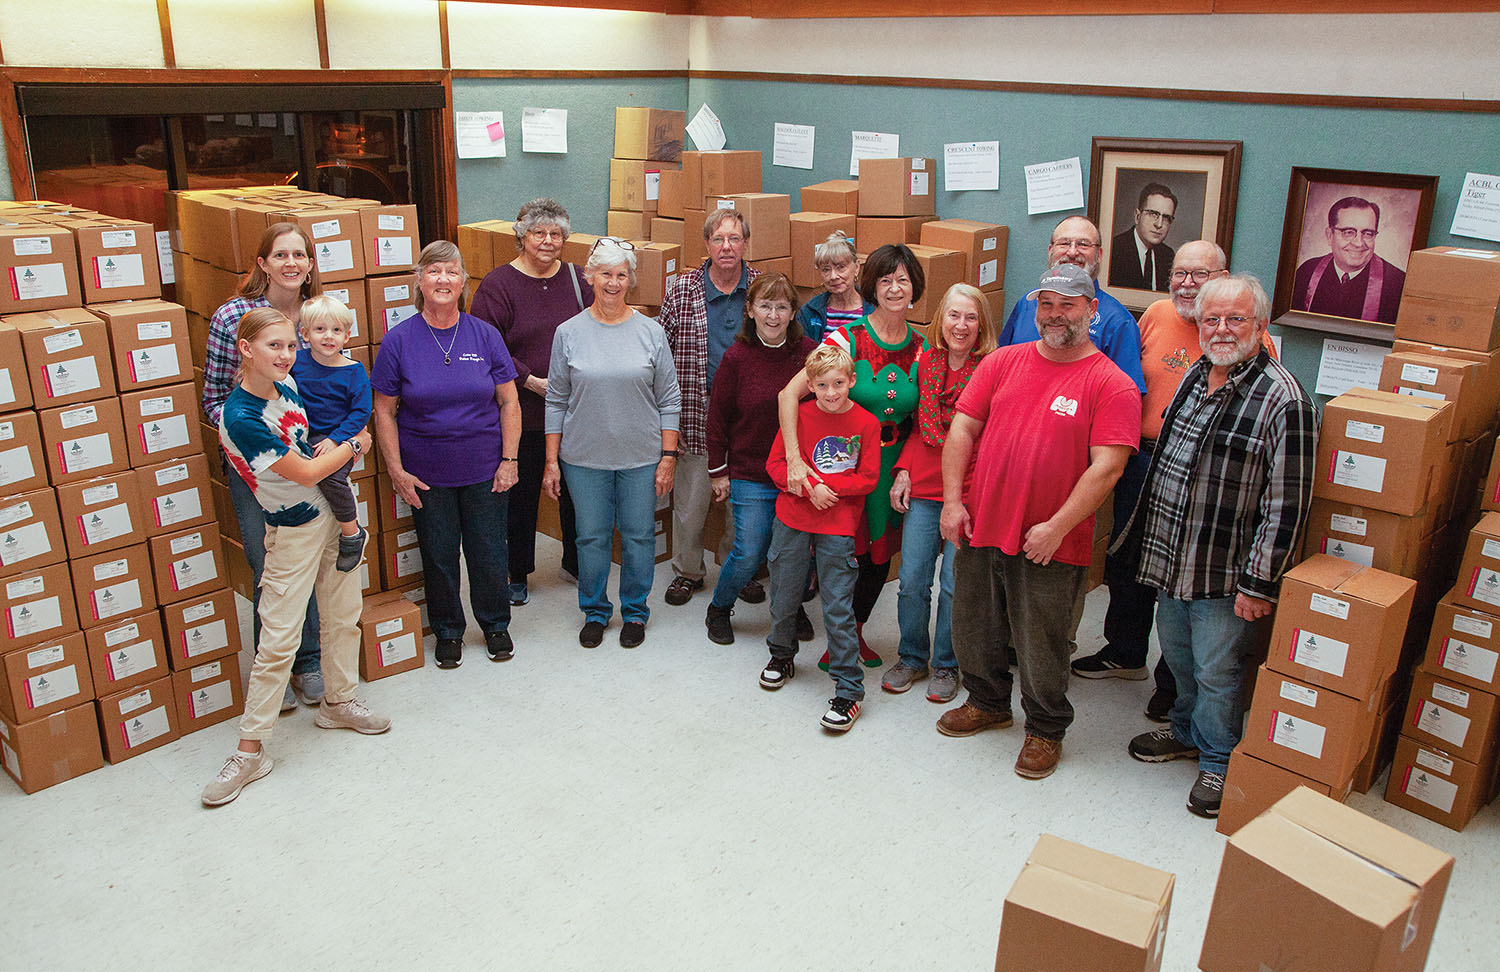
(388, 35)
(497, 36)
(244, 34)
(80, 33)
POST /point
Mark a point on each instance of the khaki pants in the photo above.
(299, 561)
(691, 495)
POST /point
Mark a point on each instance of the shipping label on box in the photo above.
(138, 720)
(37, 605)
(45, 678)
(201, 630)
(31, 534)
(1455, 718)
(126, 652)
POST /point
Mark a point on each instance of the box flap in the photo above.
(1377, 586)
(1118, 874)
(1382, 845)
(1079, 902)
(1323, 570)
(1489, 524)
(1390, 403)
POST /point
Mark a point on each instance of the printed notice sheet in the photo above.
(1054, 186)
(1478, 212)
(1349, 364)
(793, 147)
(873, 145)
(544, 130)
(707, 132)
(480, 134)
(971, 165)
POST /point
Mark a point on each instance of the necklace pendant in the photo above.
(447, 360)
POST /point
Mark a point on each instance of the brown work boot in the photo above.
(1038, 757)
(969, 718)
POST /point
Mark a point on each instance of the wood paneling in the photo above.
(15, 141)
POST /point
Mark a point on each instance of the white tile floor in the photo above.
(647, 809)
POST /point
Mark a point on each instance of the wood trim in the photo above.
(645, 6)
(1352, 6)
(30, 75)
(21, 186)
(443, 35)
(164, 18)
(1121, 91)
(564, 75)
(799, 9)
(446, 177)
(320, 19)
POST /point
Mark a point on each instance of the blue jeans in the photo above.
(1205, 645)
(605, 500)
(252, 519)
(754, 507)
(471, 517)
(921, 543)
(791, 552)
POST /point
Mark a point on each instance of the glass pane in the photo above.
(115, 165)
(225, 151)
(360, 154)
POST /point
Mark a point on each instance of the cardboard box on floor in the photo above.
(84, 441)
(45, 678)
(1431, 783)
(808, 231)
(175, 495)
(1384, 451)
(1083, 908)
(201, 629)
(15, 385)
(67, 356)
(1463, 722)
(127, 652)
(1253, 785)
(102, 514)
(897, 187)
(23, 463)
(391, 631)
(1450, 297)
(982, 244)
(31, 535)
(138, 720)
(649, 133)
(41, 265)
(1464, 646)
(417, 594)
(50, 750)
(208, 694)
(834, 196)
(1312, 731)
(1313, 884)
(37, 605)
(149, 341)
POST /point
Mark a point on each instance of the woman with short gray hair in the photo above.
(611, 420)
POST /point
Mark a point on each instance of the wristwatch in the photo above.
(673, 453)
(354, 444)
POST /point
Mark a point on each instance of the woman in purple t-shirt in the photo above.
(451, 448)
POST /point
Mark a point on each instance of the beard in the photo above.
(1073, 334)
(1185, 304)
(1226, 353)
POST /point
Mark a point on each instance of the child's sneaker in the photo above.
(778, 672)
(350, 550)
(840, 715)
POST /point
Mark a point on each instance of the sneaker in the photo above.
(518, 593)
(901, 677)
(1098, 666)
(499, 645)
(778, 672)
(840, 715)
(943, 686)
(350, 550)
(308, 686)
(288, 699)
(720, 631)
(351, 715)
(968, 719)
(1038, 757)
(591, 634)
(804, 626)
(753, 592)
(449, 652)
(1159, 708)
(240, 770)
(632, 633)
(1206, 795)
(1160, 746)
(681, 590)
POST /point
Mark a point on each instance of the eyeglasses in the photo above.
(1072, 244)
(1199, 276)
(765, 308)
(1348, 233)
(1152, 214)
(622, 244)
(1233, 323)
(726, 241)
(544, 234)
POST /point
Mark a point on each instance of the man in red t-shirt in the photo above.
(1065, 420)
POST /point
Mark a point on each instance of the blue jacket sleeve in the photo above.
(358, 414)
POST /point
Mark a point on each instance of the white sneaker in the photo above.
(351, 715)
(240, 770)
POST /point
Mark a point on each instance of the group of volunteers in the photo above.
(838, 434)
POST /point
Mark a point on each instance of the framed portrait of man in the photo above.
(1150, 196)
(1345, 244)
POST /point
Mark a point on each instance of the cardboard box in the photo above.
(669, 202)
(201, 629)
(1463, 722)
(1479, 571)
(67, 356)
(44, 679)
(666, 230)
(117, 261)
(401, 559)
(1382, 746)
(576, 248)
(897, 187)
(84, 441)
(41, 265)
(719, 173)
(115, 584)
(982, 244)
(161, 424)
(1488, 361)
(1313, 884)
(649, 133)
(352, 294)
(942, 269)
(394, 512)
(187, 564)
(390, 237)
(1314, 732)
(48, 751)
(15, 385)
(1253, 785)
(1104, 913)
(768, 215)
(656, 270)
(504, 245)
(23, 463)
(694, 246)
(241, 577)
(37, 605)
(628, 225)
(391, 301)
(417, 594)
(1384, 451)
(1451, 297)
(781, 265)
(1464, 646)
(1340, 626)
(1441, 379)
(1431, 783)
(873, 232)
(149, 342)
(475, 247)
(127, 652)
(808, 231)
(635, 185)
(31, 535)
(208, 694)
(175, 495)
(138, 720)
(337, 239)
(391, 629)
(1369, 537)
(834, 196)
(101, 514)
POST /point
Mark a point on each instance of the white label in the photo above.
(1433, 761)
(403, 292)
(106, 524)
(1443, 723)
(398, 649)
(12, 761)
(1485, 586)
(53, 686)
(16, 465)
(172, 474)
(1410, 392)
(408, 562)
(1491, 549)
(194, 570)
(1364, 431)
(113, 568)
(1298, 734)
(143, 728)
(1470, 625)
(392, 251)
(156, 406)
(1355, 553)
(1420, 374)
(38, 281)
(94, 495)
(191, 541)
(1352, 525)
(203, 673)
(89, 452)
(1474, 661)
(1430, 790)
(1299, 694)
(33, 245)
(131, 703)
(178, 507)
(1450, 695)
(70, 377)
(131, 660)
(153, 330)
(117, 239)
(395, 315)
(1357, 471)
(72, 418)
(725, 204)
(1330, 606)
(919, 182)
(327, 227)
(148, 364)
(918, 164)
(653, 185)
(385, 629)
(390, 221)
(24, 587)
(122, 270)
(198, 612)
(988, 271)
(342, 296)
(406, 538)
(161, 435)
(1321, 652)
(15, 514)
(125, 632)
(45, 656)
(119, 599)
(164, 257)
(988, 243)
(24, 543)
(205, 638)
(211, 698)
(671, 267)
(335, 255)
(7, 392)
(7, 429)
(43, 615)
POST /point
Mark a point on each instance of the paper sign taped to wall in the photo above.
(544, 130)
(793, 147)
(475, 133)
(707, 130)
(1478, 212)
(873, 145)
(1054, 186)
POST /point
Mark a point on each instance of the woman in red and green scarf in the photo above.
(962, 333)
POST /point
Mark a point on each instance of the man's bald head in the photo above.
(1194, 263)
(1076, 240)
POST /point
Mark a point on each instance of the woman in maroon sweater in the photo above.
(526, 299)
(742, 424)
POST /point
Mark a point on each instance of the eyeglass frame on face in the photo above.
(1199, 276)
(544, 234)
(1076, 244)
(1233, 322)
(766, 308)
(622, 244)
(1157, 216)
(717, 241)
(1348, 233)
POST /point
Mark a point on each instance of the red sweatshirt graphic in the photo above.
(843, 452)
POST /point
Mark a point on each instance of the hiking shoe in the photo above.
(1159, 707)
(720, 631)
(1038, 757)
(753, 592)
(499, 645)
(351, 715)
(632, 633)
(840, 715)
(1206, 795)
(240, 770)
(289, 698)
(778, 672)
(1098, 666)
(968, 719)
(308, 686)
(1160, 746)
(804, 626)
(901, 677)
(591, 634)
(350, 550)
(449, 652)
(681, 590)
(943, 685)
(518, 593)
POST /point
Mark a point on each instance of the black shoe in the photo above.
(1160, 746)
(499, 645)
(804, 626)
(681, 590)
(350, 550)
(753, 592)
(1206, 795)
(1159, 708)
(720, 631)
(591, 634)
(632, 633)
(778, 672)
(449, 652)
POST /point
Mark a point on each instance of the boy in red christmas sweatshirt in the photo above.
(841, 446)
